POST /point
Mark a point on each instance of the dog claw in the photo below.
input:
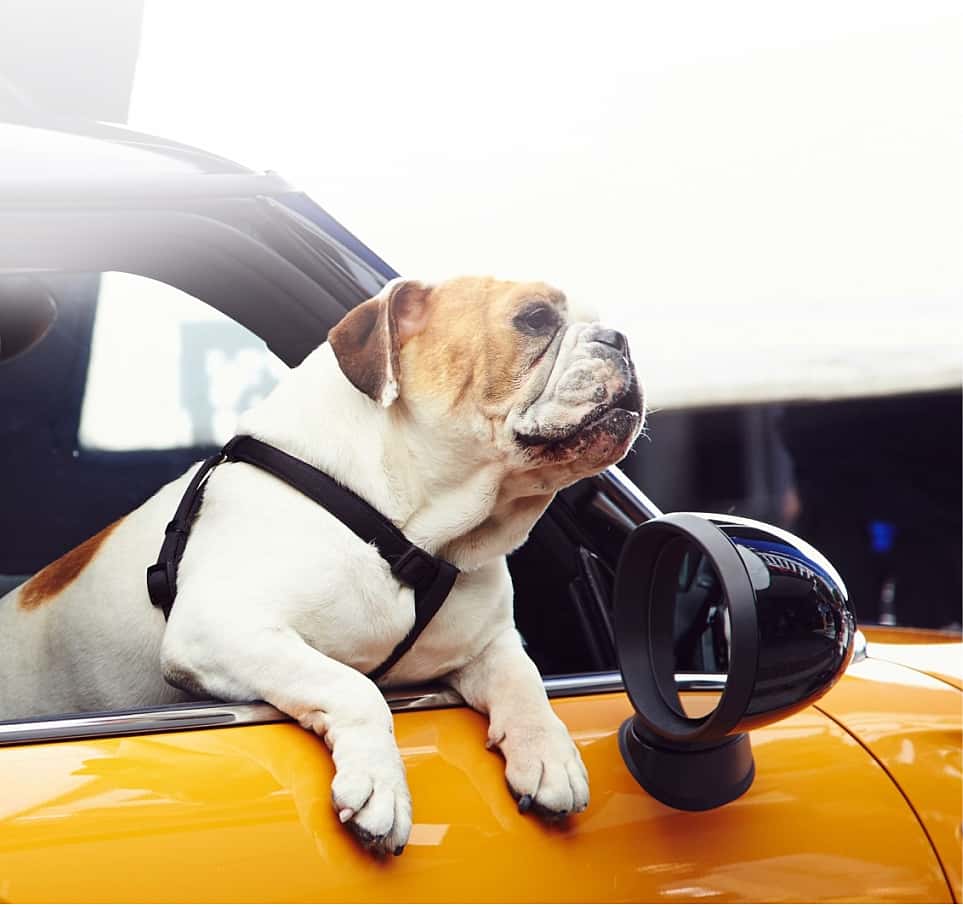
(525, 803)
(345, 815)
(399, 850)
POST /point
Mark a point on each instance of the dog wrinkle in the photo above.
(505, 350)
(55, 577)
(185, 680)
(465, 387)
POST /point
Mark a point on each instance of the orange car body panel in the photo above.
(911, 723)
(244, 814)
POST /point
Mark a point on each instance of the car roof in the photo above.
(50, 159)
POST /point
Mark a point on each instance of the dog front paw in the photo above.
(543, 768)
(370, 793)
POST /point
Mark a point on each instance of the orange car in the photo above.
(751, 747)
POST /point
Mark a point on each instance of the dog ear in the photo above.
(367, 342)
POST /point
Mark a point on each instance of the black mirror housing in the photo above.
(790, 635)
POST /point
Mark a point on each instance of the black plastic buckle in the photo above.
(227, 451)
(162, 585)
(415, 567)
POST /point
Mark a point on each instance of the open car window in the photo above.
(132, 383)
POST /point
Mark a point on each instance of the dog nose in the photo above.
(611, 338)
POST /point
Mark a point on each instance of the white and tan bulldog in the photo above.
(457, 411)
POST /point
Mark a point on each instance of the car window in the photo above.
(134, 381)
(178, 370)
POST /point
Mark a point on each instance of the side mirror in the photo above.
(27, 312)
(736, 608)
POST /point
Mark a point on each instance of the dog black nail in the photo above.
(399, 850)
(525, 804)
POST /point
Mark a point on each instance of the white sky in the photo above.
(766, 196)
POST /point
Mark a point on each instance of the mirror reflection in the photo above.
(700, 627)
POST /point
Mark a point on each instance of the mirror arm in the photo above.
(617, 488)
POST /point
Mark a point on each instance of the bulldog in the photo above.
(457, 411)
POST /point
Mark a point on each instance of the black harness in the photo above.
(430, 577)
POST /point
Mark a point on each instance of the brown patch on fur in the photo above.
(470, 341)
(55, 577)
(464, 389)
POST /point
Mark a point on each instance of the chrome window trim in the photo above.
(559, 685)
(190, 716)
(185, 717)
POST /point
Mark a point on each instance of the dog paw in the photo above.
(544, 770)
(370, 796)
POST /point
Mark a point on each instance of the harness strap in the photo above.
(430, 577)
(162, 576)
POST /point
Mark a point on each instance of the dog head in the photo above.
(499, 364)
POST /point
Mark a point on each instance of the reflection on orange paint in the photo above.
(943, 660)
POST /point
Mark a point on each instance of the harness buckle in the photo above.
(415, 567)
(162, 585)
(227, 451)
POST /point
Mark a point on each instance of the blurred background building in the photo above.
(765, 197)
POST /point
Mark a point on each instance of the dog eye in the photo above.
(536, 320)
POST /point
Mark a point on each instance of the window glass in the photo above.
(166, 370)
(129, 384)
